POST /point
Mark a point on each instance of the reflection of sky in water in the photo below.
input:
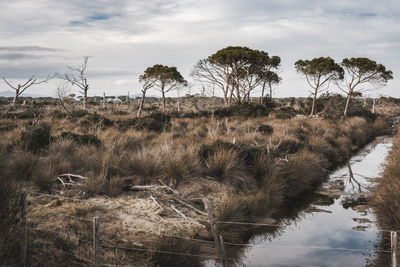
(320, 229)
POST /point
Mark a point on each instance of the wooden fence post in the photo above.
(217, 240)
(25, 230)
(96, 242)
(393, 242)
(225, 259)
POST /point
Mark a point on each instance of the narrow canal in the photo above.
(336, 228)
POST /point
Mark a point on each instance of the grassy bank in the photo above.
(387, 191)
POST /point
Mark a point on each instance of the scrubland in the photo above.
(247, 166)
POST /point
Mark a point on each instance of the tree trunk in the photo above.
(141, 103)
(346, 109)
(15, 97)
(226, 101)
(85, 96)
(231, 95)
(270, 90)
(373, 106)
(313, 103)
(163, 99)
(238, 93)
(262, 94)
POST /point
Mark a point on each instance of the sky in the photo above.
(124, 37)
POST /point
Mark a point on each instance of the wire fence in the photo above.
(218, 242)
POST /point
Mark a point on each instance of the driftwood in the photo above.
(59, 179)
(190, 206)
(155, 201)
(69, 175)
(179, 212)
(169, 188)
(149, 187)
(70, 181)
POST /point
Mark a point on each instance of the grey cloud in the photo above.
(18, 56)
(28, 48)
(124, 36)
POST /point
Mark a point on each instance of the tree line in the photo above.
(239, 72)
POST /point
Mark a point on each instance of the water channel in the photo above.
(335, 228)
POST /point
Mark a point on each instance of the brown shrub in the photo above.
(302, 173)
(43, 175)
(224, 165)
(320, 145)
(179, 163)
(20, 165)
(146, 163)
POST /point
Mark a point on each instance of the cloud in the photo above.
(124, 37)
(28, 48)
(17, 56)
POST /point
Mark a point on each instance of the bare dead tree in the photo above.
(62, 92)
(77, 77)
(22, 87)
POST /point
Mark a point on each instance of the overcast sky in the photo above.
(124, 37)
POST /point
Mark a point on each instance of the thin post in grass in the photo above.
(217, 240)
(25, 229)
(96, 242)
(221, 242)
(393, 242)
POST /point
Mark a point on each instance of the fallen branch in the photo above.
(155, 201)
(169, 188)
(73, 175)
(179, 212)
(59, 179)
(148, 187)
(190, 206)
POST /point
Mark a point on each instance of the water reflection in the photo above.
(332, 228)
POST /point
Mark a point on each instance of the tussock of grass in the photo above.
(146, 163)
(224, 165)
(301, 173)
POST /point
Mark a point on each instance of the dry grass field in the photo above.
(151, 178)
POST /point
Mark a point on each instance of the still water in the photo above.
(335, 230)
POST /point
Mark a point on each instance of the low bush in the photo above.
(244, 110)
(246, 152)
(288, 146)
(333, 108)
(82, 139)
(36, 137)
(301, 173)
(8, 126)
(11, 208)
(19, 165)
(224, 165)
(29, 113)
(95, 121)
(320, 146)
(156, 122)
(58, 114)
(265, 129)
(43, 175)
(285, 113)
(145, 163)
(79, 113)
(262, 167)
